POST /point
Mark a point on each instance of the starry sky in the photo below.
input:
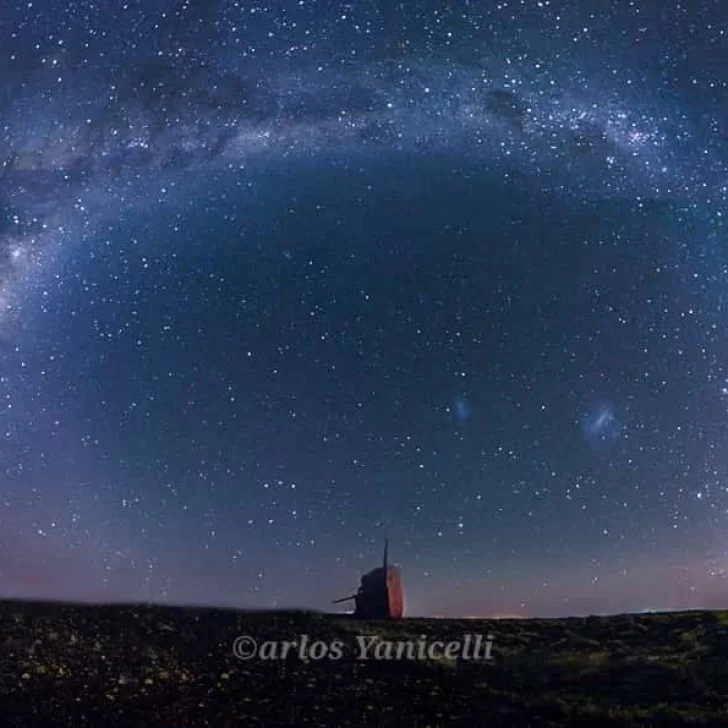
(280, 279)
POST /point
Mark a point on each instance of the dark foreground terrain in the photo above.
(151, 666)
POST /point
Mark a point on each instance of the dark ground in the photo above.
(152, 666)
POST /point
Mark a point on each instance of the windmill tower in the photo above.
(380, 593)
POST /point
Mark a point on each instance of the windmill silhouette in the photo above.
(380, 593)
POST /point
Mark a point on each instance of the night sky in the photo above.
(279, 280)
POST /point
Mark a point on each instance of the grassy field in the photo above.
(156, 666)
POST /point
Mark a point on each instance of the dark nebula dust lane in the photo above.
(279, 280)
